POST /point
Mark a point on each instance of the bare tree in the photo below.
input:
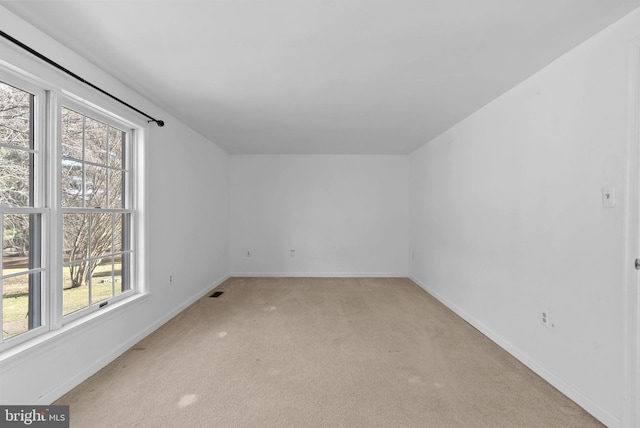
(15, 164)
(89, 149)
(89, 185)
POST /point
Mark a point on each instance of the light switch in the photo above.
(609, 196)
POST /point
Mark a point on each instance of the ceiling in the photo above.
(321, 76)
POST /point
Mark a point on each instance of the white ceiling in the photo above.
(321, 76)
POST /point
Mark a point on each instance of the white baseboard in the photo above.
(578, 397)
(76, 380)
(320, 274)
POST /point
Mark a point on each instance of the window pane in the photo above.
(76, 236)
(71, 184)
(102, 281)
(75, 292)
(15, 243)
(71, 128)
(116, 140)
(122, 272)
(115, 188)
(118, 280)
(101, 234)
(95, 141)
(93, 176)
(15, 177)
(96, 186)
(117, 232)
(15, 116)
(15, 306)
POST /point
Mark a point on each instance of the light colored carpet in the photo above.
(319, 352)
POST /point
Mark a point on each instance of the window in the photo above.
(67, 209)
(96, 210)
(22, 212)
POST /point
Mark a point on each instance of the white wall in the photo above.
(187, 207)
(505, 212)
(345, 215)
(507, 219)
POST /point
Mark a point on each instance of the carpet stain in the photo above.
(187, 400)
(270, 308)
(222, 334)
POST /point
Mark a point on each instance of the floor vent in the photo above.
(217, 294)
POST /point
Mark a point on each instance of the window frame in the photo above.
(40, 204)
(49, 101)
(73, 103)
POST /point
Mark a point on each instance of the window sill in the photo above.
(46, 341)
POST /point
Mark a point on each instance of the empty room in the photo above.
(319, 213)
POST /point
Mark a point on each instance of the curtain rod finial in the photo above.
(160, 123)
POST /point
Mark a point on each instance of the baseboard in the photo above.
(320, 274)
(62, 389)
(578, 397)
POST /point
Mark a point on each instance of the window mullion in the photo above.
(90, 259)
(113, 257)
(35, 279)
(108, 169)
(84, 158)
(96, 210)
(14, 210)
(24, 272)
(24, 149)
(56, 255)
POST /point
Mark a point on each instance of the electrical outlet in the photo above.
(170, 279)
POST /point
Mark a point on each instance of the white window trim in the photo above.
(40, 145)
(49, 101)
(130, 166)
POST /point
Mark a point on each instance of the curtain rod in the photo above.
(49, 61)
